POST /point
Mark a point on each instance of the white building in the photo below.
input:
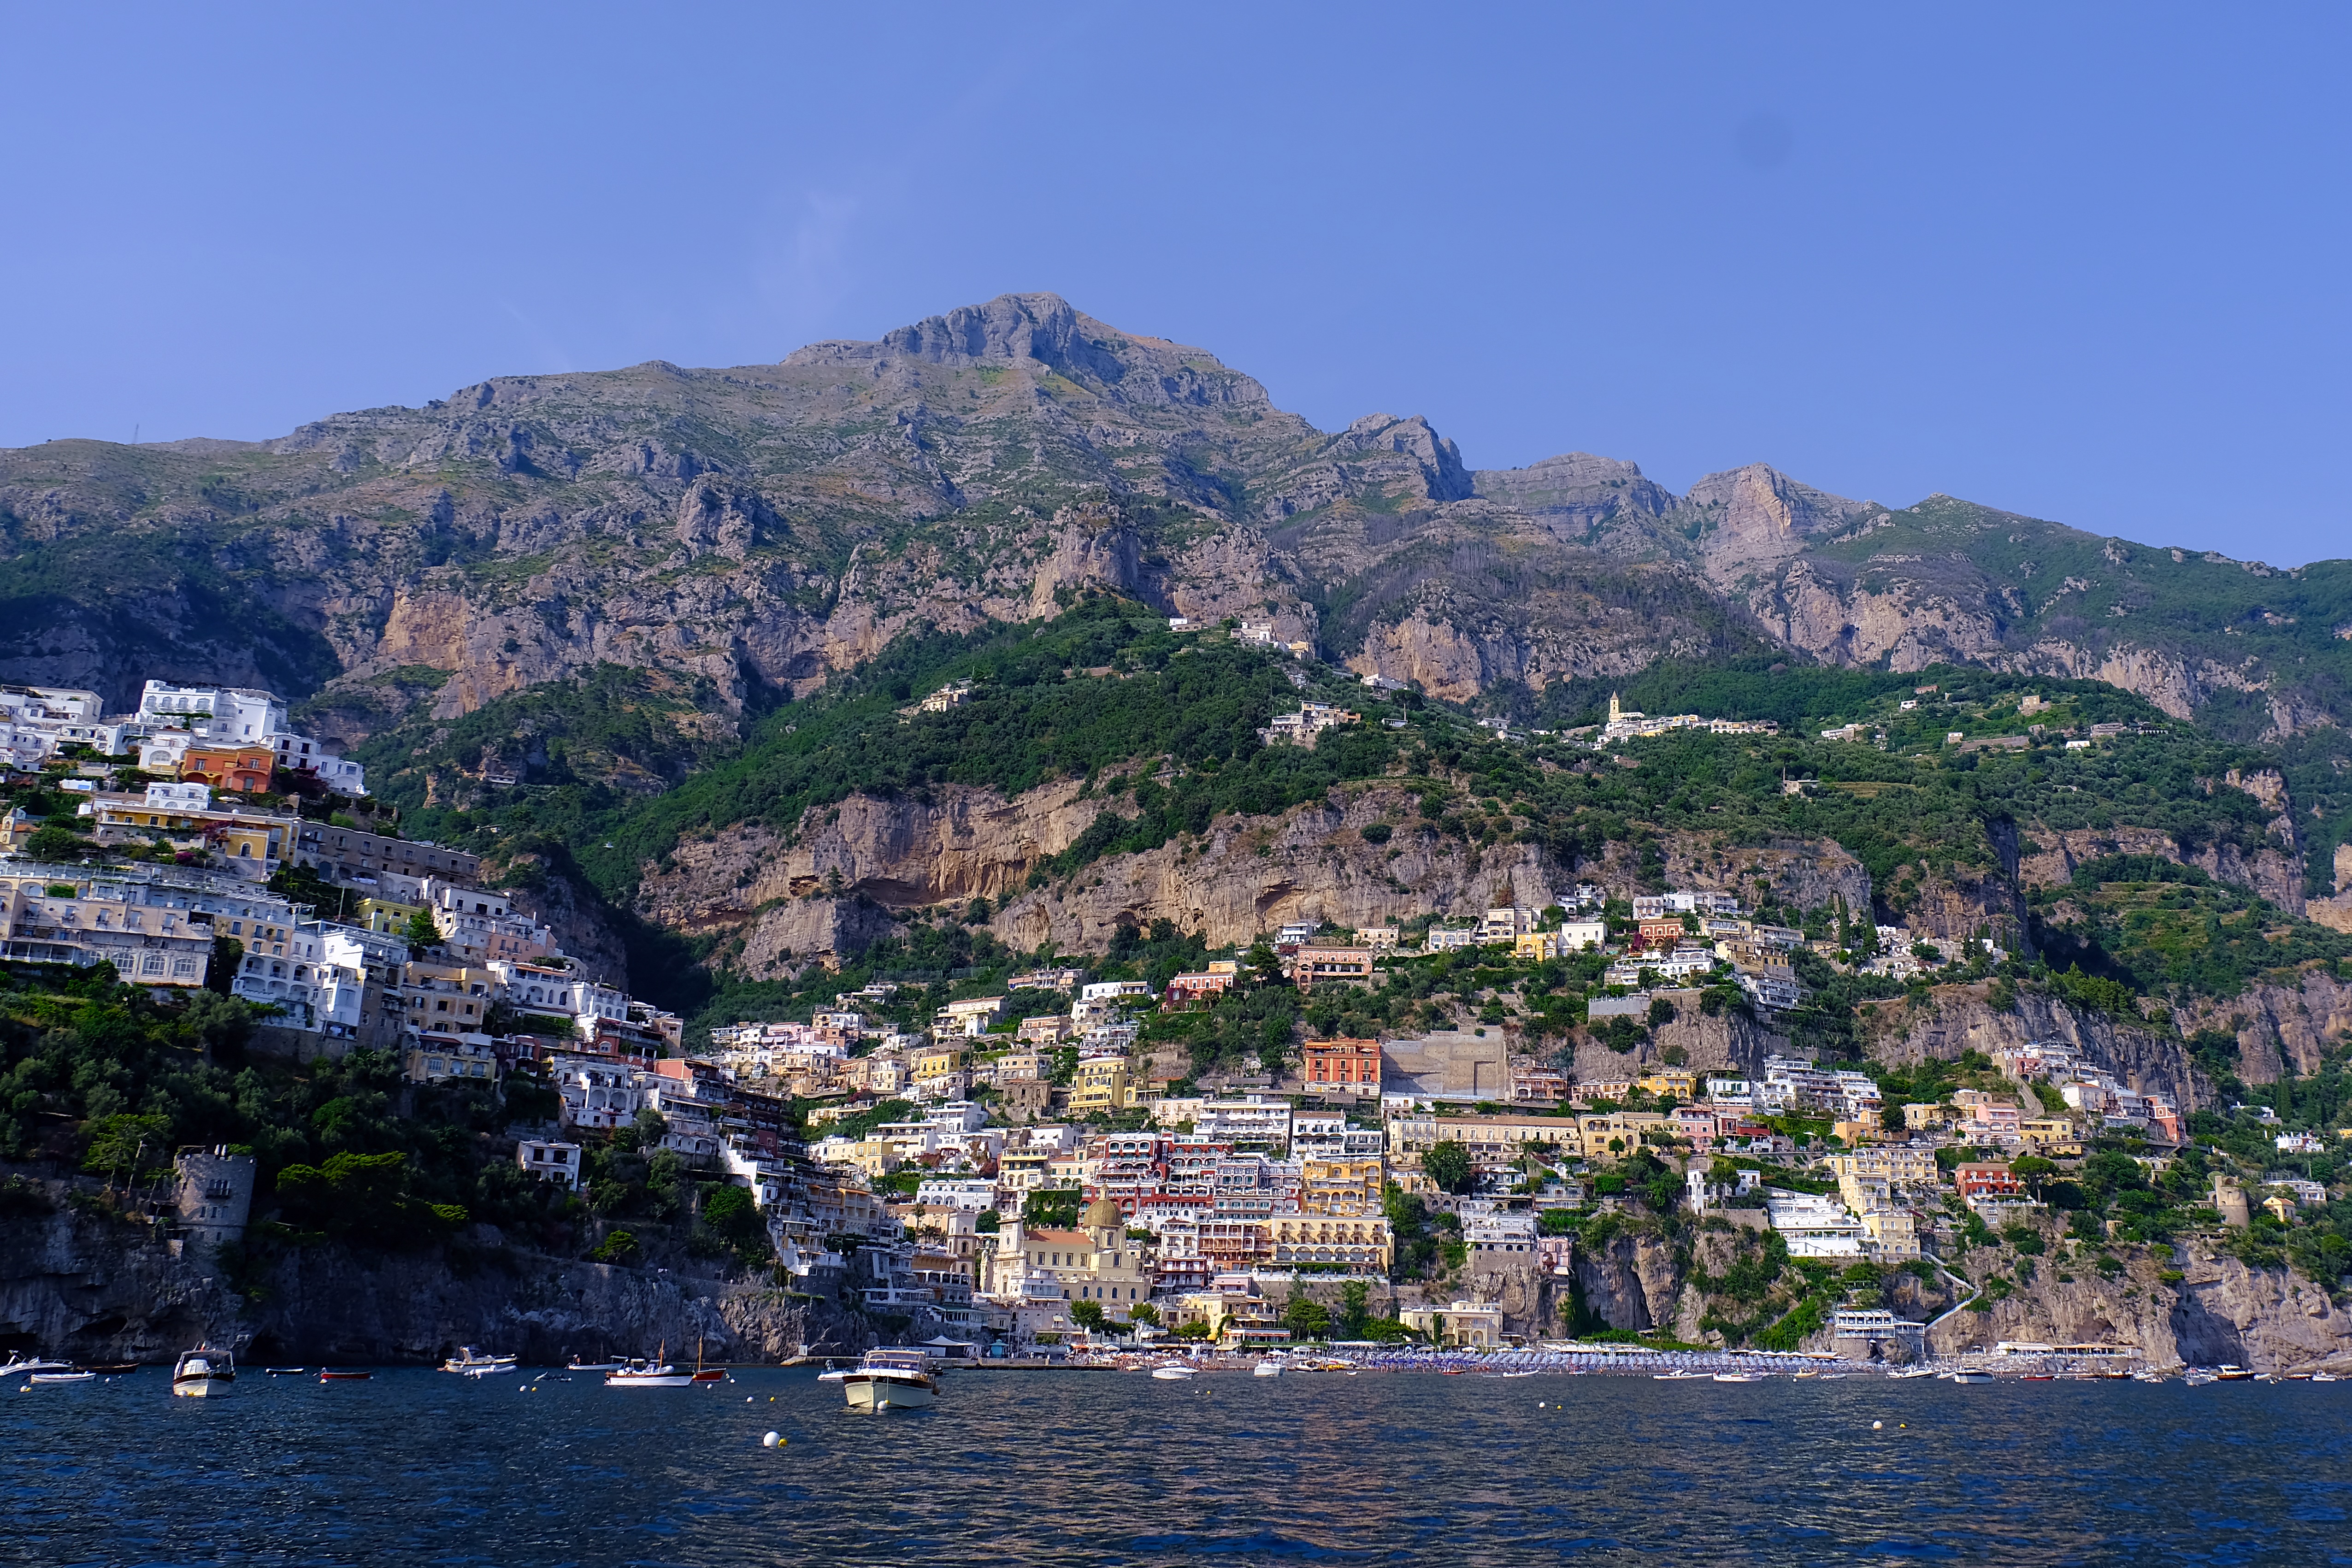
(217, 712)
(557, 1163)
(1814, 1226)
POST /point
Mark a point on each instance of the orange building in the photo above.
(1664, 933)
(245, 769)
(1355, 1063)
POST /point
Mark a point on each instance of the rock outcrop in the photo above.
(2219, 1310)
(91, 1287)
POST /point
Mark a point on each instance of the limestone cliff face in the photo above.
(2280, 1029)
(582, 927)
(825, 893)
(1961, 1018)
(2045, 856)
(1246, 876)
(2219, 1311)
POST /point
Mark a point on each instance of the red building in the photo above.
(1991, 1181)
(1321, 966)
(1666, 934)
(1354, 1063)
(1191, 990)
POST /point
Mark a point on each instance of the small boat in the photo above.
(203, 1372)
(2325, 1377)
(286, 1371)
(576, 1365)
(2228, 1372)
(1970, 1375)
(2039, 1377)
(1174, 1371)
(703, 1374)
(893, 1380)
(1266, 1368)
(1518, 1374)
(111, 1368)
(1738, 1377)
(333, 1376)
(1913, 1372)
(471, 1363)
(1680, 1375)
(655, 1373)
(62, 1376)
(32, 1364)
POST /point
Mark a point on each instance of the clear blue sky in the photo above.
(2089, 263)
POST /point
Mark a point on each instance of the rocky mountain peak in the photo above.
(1045, 329)
(1444, 477)
(1576, 490)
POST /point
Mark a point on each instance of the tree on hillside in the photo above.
(1087, 1315)
(1447, 1164)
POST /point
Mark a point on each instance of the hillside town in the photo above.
(1021, 1170)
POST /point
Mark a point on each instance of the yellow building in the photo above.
(386, 916)
(1478, 1324)
(249, 841)
(1358, 1241)
(1624, 1128)
(2054, 1136)
(1894, 1234)
(1096, 1262)
(1494, 1139)
(1897, 1163)
(1339, 1186)
(1538, 945)
(447, 998)
(1101, 1085)
(1664, 1082)
(939, 1061)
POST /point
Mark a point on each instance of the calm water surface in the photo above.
(1106, 1468)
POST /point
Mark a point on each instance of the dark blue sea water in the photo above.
(1110, 1468)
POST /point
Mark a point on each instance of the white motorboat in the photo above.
(655, 1373)
(1174, 1371)
(2325, 1377)
(1266, 1368)
(1913, 1372)
(1970, 1375)
(30, 1364)
(576, 1365)
(891, 1380)
(474, 1363)
(1680, 1375)
(1738, 1377)
(203, 1372)
(62, 1376)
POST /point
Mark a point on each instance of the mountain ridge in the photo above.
(759, 526)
